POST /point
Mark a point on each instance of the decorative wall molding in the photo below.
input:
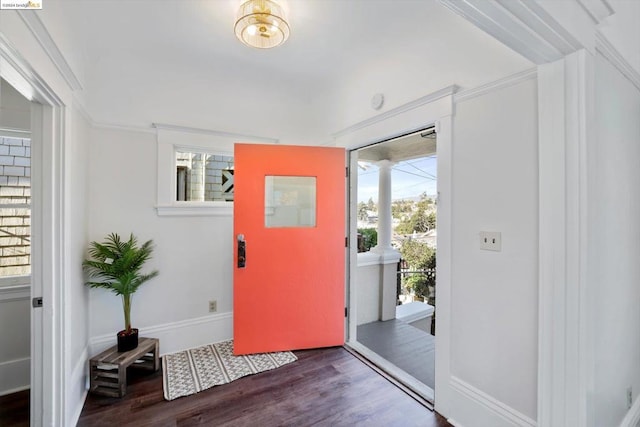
(122, 127)
(523, 26)
(197, 210)
(180, 335)
(40, 32)
(15, 133)
(15, 293)
(565, 91)
(611, 54)
(15, 375)
(237, 136)
(494, 405)
(442, 93)
(596, 9)
(632, 419)
(17, 71)
(465, 95)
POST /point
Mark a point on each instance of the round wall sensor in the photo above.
(377, 100)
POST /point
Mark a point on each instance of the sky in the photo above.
(408, 179)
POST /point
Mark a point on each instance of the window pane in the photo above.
(204, 177)
(290, 201)
(15, 206)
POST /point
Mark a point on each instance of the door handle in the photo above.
(242, 251)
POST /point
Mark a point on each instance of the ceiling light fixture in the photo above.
(261, 24)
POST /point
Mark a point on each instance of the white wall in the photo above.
(494, 295)
(15, 111)
(15, 326)
(614, 243)
(192, 254)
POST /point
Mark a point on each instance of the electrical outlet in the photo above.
(629, 397)
(213, 306)
(491, 241)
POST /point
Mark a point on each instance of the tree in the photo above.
(363, 211)
(421, 220)
(400, 208)
(420, 257)
(369, 239)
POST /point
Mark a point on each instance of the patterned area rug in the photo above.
(191, 371)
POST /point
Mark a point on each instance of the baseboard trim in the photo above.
(78, 383)
(180, 335)
(632, 419)
(16, 375)
(14, 390)
(494, 405)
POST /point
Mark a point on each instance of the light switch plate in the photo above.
(491, 240)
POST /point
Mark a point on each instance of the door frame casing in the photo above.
(47, 231)
(433, 109)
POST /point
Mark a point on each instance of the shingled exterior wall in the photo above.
(209, 177)
(15, 210)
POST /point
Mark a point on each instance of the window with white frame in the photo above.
(15, 211)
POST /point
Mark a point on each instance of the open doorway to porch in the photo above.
(395, 274)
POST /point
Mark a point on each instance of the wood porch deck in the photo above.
(409, 348)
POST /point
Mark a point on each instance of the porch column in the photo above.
(389, 257)
(384, 207)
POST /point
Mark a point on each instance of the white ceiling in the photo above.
(178, 62)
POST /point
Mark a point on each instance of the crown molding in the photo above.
(40, 32)
(442, 93)
(212, 132)
(122, 127)
(465, 95)
(611, 54)
(597, 10)
(17, 71)
(523, 26)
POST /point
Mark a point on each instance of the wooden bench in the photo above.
(108, 370)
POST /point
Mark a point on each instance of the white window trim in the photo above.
(15, 288)
(171, 139)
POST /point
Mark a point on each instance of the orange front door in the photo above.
(289, 210)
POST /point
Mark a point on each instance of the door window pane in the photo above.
(290, 201)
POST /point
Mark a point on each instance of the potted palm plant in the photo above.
(115, 265)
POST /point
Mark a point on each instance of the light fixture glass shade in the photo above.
(261, 24)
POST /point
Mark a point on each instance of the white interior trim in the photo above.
(427, 99)
(178, 336)
(632, 419)
(14, 293)
(523, 26)
(489, 402)
(80, 377)
(564, 354)
(49, 46)
(196, 209)
(514, 79)
(48, 267)
(596, 9)
(611, 54)
(239, 137)
(15, 133)
(15, 375)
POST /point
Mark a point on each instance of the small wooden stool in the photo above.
(108, 370)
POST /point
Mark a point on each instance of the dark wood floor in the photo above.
(325, 387)
(409, 348)
(14, 409)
